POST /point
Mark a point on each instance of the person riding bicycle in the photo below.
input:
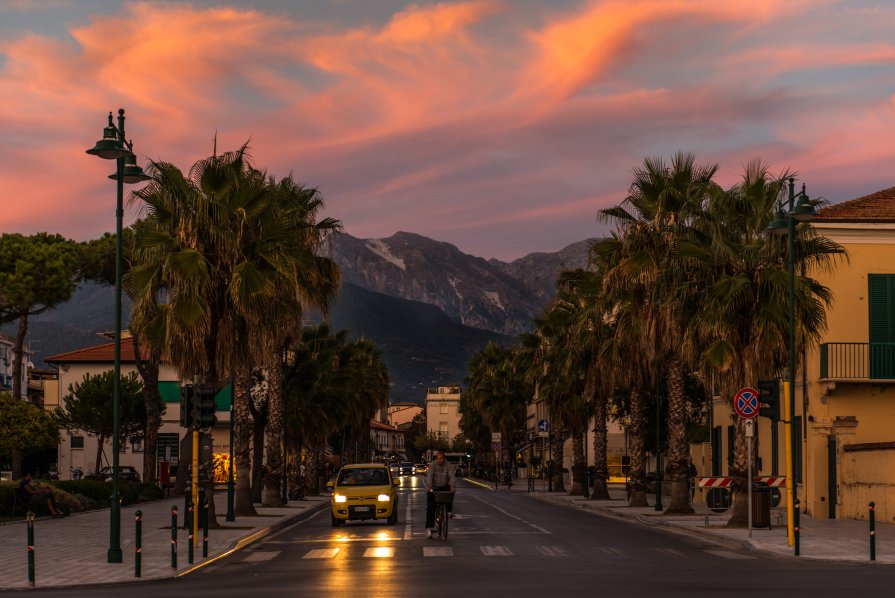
(439, 477)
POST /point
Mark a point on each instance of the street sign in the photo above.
(495, 447)
(543, 426)
(495, 437)
(745, 402)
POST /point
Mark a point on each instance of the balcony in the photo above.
(857, 362)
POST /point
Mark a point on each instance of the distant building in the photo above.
(443, 411)
(388, 441)
(7, 359)
(400, 414)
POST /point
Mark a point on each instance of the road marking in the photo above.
(260, 555)
(408, 521)
(725, 554)
(438, 551)
(553, 551)
(508, 514)
(671, 552)
(495, 551)
(610, 551)
(321, 553)
(379, 552)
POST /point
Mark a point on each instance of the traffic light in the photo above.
(187, 399)
(769, 399)
(204, 404)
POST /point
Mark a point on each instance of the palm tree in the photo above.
(663, 202)
(744, 321)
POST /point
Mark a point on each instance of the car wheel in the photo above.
(337, 522)
(393, 518)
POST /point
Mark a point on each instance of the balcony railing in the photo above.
(857, 361)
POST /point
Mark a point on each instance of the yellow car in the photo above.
(364, 491)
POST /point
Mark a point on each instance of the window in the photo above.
(136, 445)
(77, 442)
(442, 429)
(882, 325)
(443, 408)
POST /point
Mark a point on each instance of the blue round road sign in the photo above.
(543, 425)
(745, 402)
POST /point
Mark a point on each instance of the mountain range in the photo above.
(427, 305)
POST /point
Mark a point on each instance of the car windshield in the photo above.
(363, 476)
(407, 464)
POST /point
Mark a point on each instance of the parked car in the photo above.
(362, 492)
(127, 473)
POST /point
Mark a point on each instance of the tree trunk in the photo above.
(577, 465)
(638, 450)
(739, 513)
(149, 372)
(273, 481)
(19, 358)
(557, 458)
(100, 441)
(259, 422)
(678, 448)
(242, 430)
(601, 441)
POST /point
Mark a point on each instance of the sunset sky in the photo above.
(498, 126)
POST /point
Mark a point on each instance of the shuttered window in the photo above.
(882, 325)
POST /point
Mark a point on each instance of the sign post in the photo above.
(750, 433)
(746, 405)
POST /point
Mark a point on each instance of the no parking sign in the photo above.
(745, 402)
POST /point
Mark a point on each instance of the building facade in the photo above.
(443, 411)
(7, 359)
(401, 414)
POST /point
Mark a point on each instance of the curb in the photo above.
(240, 543)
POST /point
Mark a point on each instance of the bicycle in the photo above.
(443, 499)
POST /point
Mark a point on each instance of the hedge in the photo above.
(82, 495)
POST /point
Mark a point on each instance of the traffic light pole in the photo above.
(194, 486)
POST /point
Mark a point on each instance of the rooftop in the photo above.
(876, 207)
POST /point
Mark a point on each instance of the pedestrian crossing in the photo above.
(552, 552)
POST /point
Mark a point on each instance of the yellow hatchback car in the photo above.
(364, 491)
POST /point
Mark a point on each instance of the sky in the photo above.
(500, 126)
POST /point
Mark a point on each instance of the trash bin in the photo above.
(761, 506)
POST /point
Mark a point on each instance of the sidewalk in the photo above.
(842, 540)
(72, 551)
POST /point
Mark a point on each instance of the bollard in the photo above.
(30, 518)
(192, 532)
(796, 529)
(205, 530)
(872, 531)
(138, 542)
(174, 537)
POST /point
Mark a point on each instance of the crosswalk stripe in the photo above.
(261, 555)
(495, 551)
(553, 551)
(321, 553)
(379, 552)
(438, 551)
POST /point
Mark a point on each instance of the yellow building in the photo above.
(443, 411)
(845, 417)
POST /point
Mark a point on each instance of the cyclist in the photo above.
(439, 477)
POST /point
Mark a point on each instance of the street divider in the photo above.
(174, 537)
(31, 573)
(138, 542)
(872, 531)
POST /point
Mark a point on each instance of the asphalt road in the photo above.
(501, 545)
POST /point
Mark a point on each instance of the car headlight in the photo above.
(339, 497)
(384, 498)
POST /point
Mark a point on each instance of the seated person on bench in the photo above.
(33, 497)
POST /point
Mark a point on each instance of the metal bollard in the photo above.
(872, 531)
(30, 519)
(192, 532)
(205, 530)
(796, 530)
(138, 542)
(174, 537)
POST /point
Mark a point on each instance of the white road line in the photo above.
(408, 522)
(258, 556)
(508, 514)
(379, 552)
(438, 551)
(553, 551)
(321, 553)
(495, 551)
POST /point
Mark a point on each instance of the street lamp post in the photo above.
(115, 146)
(586, 468)
(784, 223)
(231, 515)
